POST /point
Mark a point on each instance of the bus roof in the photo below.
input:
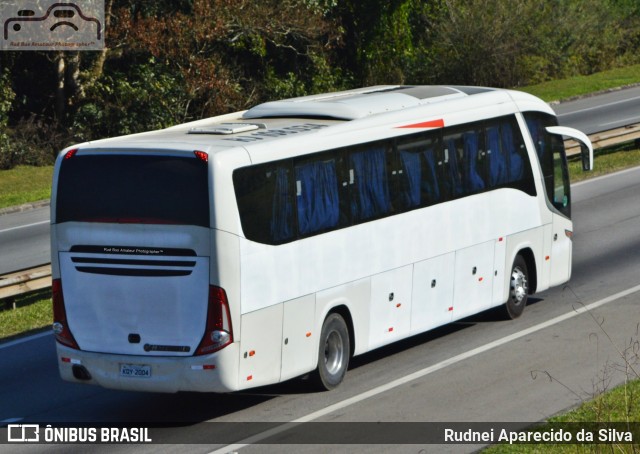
(395, 105)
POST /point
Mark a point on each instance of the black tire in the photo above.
(518, 289)
(333, 353)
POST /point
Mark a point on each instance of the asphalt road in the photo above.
(24, 240)
(480, 369)
(593, 114)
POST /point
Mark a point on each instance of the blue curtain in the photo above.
(318, 203)
(413, 174)
(371, 188)
(536, 135)
(455, 183)
(281, 207)
(497, 158)
(473, 180)
(516, 164)
(430, 181)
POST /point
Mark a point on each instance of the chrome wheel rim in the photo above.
(519, 286)
(333, 353)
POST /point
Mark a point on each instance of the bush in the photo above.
(34, 142)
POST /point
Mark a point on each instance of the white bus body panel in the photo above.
(473, 279)
(110, 295)
(561, 248)
(217, 372)
(432, 293)
(390, 310)
(260, 347)
(299, 338)
(500, 270)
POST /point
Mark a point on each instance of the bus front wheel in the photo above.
(518, 289)
(333, 354)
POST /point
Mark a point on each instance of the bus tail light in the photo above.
(218, 333)
(60, 323)
(71, 153)
(201, 155)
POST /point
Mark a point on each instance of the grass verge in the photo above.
(32, 312)
(619, 405)
(558, 90)
(24, 184)
(605, 162)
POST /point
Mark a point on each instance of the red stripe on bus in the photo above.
(426, 124)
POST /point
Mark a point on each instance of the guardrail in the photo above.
(38, 278)
(607, 138)
(25, 281)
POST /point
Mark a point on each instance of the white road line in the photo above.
(603, 177)
(586, 109)
(25, 226)
(10, 421)
(25, 339)
(424, 372)
(621, 121)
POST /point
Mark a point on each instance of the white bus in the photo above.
(255, 247)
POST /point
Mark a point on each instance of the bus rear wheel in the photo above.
(333, 354)
(518, 289)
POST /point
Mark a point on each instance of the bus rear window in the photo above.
(133, 189)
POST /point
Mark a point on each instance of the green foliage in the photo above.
(146, 97)
(517, 42)
(387, 41)
(6, 98)
(170, 61)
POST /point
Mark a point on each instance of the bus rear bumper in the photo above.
(210, 373)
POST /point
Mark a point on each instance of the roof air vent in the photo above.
(226, 128)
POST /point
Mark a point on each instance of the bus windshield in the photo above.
(147, 189)
(553, 161)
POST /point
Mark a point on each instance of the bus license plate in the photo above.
(135, 371)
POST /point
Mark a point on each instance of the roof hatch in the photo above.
(226, 128)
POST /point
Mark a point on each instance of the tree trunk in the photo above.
(61, 100)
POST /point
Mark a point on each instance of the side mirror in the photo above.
(587, 160)
(586, 149)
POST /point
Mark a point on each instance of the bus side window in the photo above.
(430, 181)
(411, 193)
(265, 202)
(514, 152)
(369, 184)
(419, 184)
(318, 203)
(473, 163)
(452, 179)
(498, 170)
(281, 228)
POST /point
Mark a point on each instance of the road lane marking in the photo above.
(424, 372)
(25, 339)
(10, 421)
(586, 109)
(623, 121)
(25, 226)
(603, 177)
